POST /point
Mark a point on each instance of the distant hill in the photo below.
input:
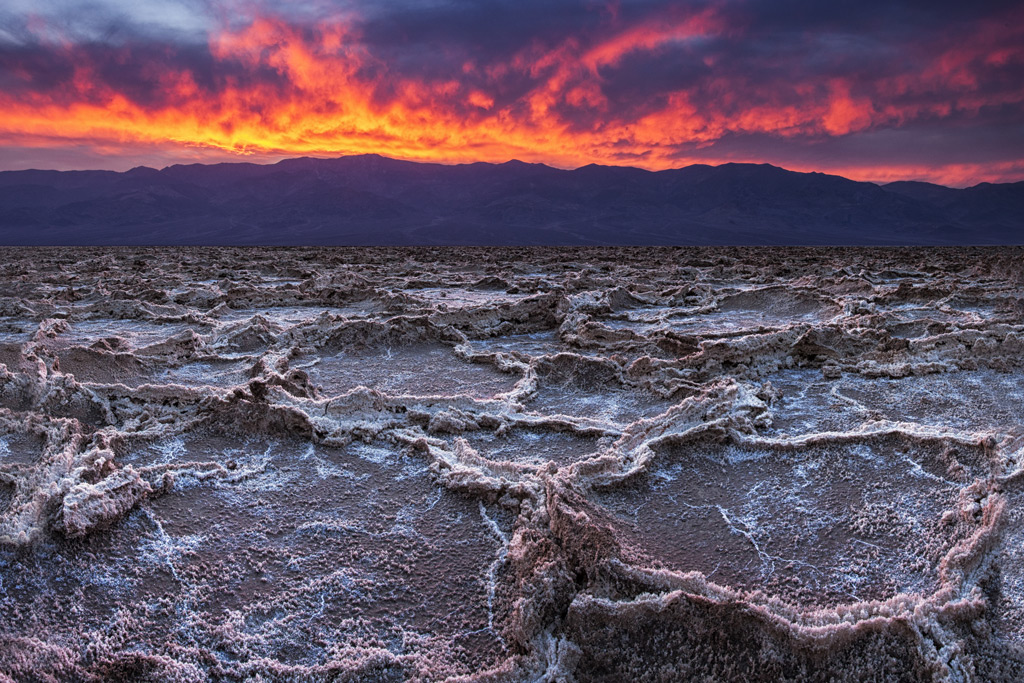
(373, 200)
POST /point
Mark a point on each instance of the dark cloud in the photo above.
(136, 70)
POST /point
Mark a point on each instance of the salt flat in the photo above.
(512, 464)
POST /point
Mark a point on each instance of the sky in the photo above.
(872, 90)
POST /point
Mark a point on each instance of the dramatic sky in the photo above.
(874, 90)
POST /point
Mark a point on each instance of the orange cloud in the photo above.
(321, 91)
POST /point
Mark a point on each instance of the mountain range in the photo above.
(374, 200)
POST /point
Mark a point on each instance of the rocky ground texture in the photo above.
(512, 464)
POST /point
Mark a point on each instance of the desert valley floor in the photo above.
(512, 464)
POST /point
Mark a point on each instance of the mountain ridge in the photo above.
(373, 199)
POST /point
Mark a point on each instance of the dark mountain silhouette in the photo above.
(364, 200)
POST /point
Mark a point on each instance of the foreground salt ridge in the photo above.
(636, 371)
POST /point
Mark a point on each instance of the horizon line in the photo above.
(272, 161)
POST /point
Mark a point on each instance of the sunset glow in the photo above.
(653, 86)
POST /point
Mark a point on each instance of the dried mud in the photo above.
(512, 465)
